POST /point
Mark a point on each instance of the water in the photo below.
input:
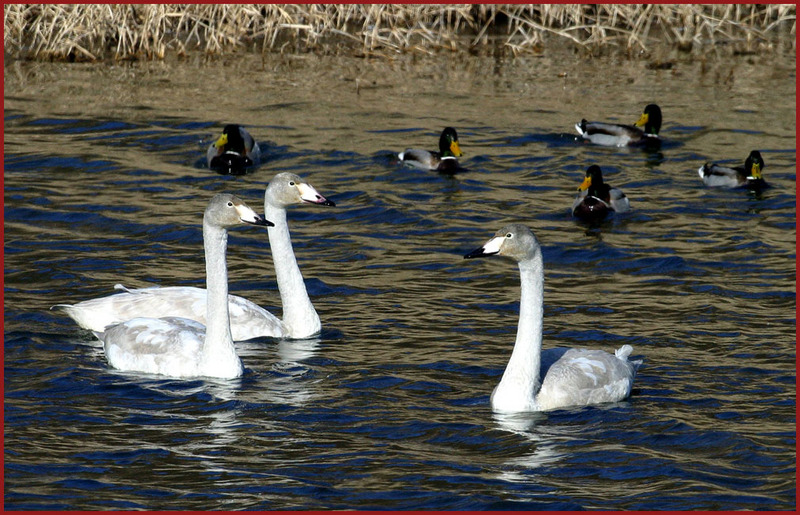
(389, 407)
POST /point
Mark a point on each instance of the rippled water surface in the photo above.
(389, 407)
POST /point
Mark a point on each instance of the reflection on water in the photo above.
(389, 406)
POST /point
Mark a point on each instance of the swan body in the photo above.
(596, 199)
(180, 347)
(643, 132)
(747, 176)
(234, 151)
(248, 319)
(443, 161)
(579, 377)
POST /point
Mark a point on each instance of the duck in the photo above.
(180, 347)
(747, 176)
(234, 151)
(596, 199)
(443, 161)
(248, 319)
(642, 133)
(557, 378)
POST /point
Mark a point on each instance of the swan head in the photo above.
(515, 241)
(286, 189)
(226, 210)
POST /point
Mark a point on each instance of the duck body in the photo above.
(576, 377)
(181, 347)
(247, 319)
(442, 161)
(643, 133)
(234, 152)
(748, 176)
(596, 199)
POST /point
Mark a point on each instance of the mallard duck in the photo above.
(597, 199)
(618, 135)
(747, 176)
(443, 161)
(234, 151)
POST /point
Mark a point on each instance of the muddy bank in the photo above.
(135, 32)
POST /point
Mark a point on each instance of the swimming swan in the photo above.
(179, 347)
(248, 319)
(579, 377)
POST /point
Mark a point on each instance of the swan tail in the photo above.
(623, 352)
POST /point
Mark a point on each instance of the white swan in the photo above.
(248, 320)
(580, 376)
(180, 347)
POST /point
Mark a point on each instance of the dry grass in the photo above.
(93, 32)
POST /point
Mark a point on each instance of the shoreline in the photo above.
(90, 33)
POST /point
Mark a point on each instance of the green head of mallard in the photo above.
(231, 140)
(753, 165)
(650, 119)
(448, 143)
(593, 180)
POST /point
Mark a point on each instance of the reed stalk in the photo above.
(120, 32)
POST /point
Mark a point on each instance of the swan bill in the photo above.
(249, 216)
(309, 194)
(491, 248)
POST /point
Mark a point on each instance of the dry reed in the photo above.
(93, 32)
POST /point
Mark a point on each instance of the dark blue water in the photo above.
(389, 407)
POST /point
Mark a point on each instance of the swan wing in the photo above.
(585, 377)
(248, 319)
(169, 346)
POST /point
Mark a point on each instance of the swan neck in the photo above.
(522, 372)
(299, 315)
(218, 328)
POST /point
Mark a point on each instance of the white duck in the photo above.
(580, 376)
(179, 347)
(248, 320)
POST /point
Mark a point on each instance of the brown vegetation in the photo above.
(92, 32)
